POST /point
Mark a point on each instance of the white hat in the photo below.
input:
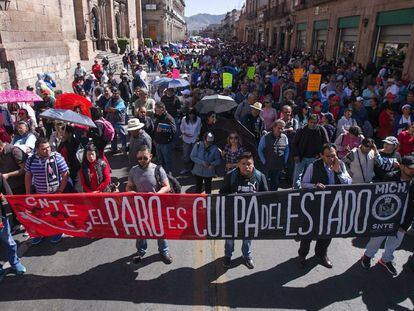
(323, 85)
(257, 106)
(134, 124)
(359, 99)
(124, 70)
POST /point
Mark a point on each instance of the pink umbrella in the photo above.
(15, 96)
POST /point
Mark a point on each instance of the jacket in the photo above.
(361, 166)
(308, 143)
(165, 128)
(201, 155)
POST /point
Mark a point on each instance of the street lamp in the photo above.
(4, 5)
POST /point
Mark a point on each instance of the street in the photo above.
(88, 274)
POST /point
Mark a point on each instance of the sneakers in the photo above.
(19, 269)
(389, 266)
(137, 259)
(166, 258)
(226, 262)
(248, 261)
(365, 262)
(56, 238)
(37, 240)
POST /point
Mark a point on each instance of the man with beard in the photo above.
(143, 178)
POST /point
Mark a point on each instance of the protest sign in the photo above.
(227, 80)
(297, 74)
(314, 80)
(250, 72)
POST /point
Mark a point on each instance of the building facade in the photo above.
(379, 31)
(52, 35)
(163, 20)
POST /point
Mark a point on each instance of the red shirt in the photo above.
(94, 186)
(406, 143)
(96, 69)
(386, 125)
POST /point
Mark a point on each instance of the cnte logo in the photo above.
(386, 206)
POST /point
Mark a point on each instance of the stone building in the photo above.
(379, 31)
(163, 20)
(52, 35)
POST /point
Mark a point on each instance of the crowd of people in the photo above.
(358, 128)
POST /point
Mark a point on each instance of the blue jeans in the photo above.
(164, 155)
(300, 169)
(142, 246)
(8, 240)
(391, 244)
(177, 140)
(187, 148)
(246, 248)
(119, 130)
(273, 179)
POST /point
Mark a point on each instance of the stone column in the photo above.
(138, 8)
(110, 21)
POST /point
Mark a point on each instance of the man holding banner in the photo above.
(243, 179)
(147, 177)
(406, 173)
(327, 170)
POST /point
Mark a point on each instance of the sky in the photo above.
(214, 7)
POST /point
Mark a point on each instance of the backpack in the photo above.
(174, 183)
(108, 130)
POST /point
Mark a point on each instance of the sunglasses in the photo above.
(143, 158)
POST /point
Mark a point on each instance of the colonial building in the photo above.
(51, 35)
(163, 20)
(379, 31)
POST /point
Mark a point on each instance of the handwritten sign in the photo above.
(227, 80)
(250, 72)
(297, 74)
(314, 80)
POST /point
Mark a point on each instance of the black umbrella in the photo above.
(216, 103)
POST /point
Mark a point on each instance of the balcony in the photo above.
(306, 4)
(277, 12)
(251, 15)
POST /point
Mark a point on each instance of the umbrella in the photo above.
(71, 100)
(216, 103)
(170, 83)
(16, 96)
(178, 83)
(161, 81)
(230, 69)
(66, 115)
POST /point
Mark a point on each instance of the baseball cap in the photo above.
(359, 99)
(391, 140)
(406, 106)
(408, 161)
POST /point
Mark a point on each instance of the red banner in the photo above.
(336, 211)
(114, 215)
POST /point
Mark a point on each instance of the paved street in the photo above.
(86, 274)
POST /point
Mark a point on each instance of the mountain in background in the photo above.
(200, 21)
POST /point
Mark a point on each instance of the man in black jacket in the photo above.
(328, 170)
(306, 146)
(165, 130)
(243, 179)
(406, 173)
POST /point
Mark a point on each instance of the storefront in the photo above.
(348, 29)
(301, 36)
(393, 37)
(320, 35)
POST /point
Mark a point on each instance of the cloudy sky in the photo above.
(215, 7)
